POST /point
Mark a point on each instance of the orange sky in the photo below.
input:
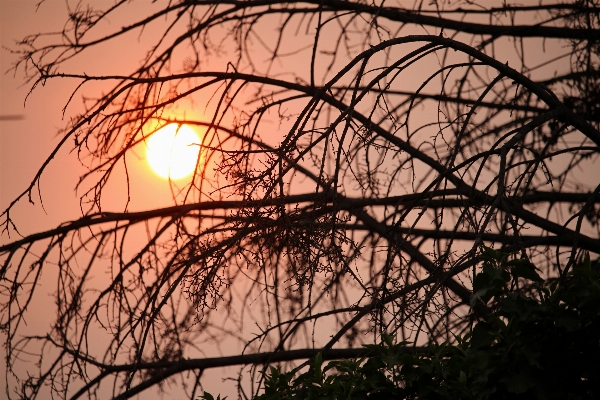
(25, 143)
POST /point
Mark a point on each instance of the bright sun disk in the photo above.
(172, 151)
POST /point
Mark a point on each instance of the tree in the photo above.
(344, 190)
(543, 346)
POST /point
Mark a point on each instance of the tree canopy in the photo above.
(535, 344)
(355, 159)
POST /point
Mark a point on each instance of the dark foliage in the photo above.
(540, 341)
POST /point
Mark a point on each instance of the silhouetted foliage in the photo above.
(355, 158)
(540, 341)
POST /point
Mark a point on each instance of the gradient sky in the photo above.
(25, 143)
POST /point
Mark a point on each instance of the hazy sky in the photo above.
(25, 143)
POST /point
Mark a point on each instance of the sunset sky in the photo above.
(25, 143)
(31, 123)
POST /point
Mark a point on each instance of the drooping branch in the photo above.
(345, 187)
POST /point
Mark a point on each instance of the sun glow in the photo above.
(172, 151)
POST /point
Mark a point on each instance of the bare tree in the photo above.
(356, 157)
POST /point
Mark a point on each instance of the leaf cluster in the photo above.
(541, 340)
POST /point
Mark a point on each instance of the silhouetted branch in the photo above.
(354, 160)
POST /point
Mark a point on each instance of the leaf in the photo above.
(495, 254)
(527, 272)
(462, 377)
(553, 286)
(388, 339)
(476, 296)
(532, 354)
(587, 263)
(318, 367)
(517, 383)
(568, 322)
(482, 336)
(481, 282)
(207, 396)
(318, 361)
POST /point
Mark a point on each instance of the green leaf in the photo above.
(462, 377)
(388, 339)
(207, 396)
(527, 271)
(478, 295)
(518, 383)
(587, 263)
(318, 361)
(568, 322)
(532, 354)
(481, 282)
(495, 254)
(508, 347)
(482, 336)
(553, 286)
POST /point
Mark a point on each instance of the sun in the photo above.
(172, 151)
